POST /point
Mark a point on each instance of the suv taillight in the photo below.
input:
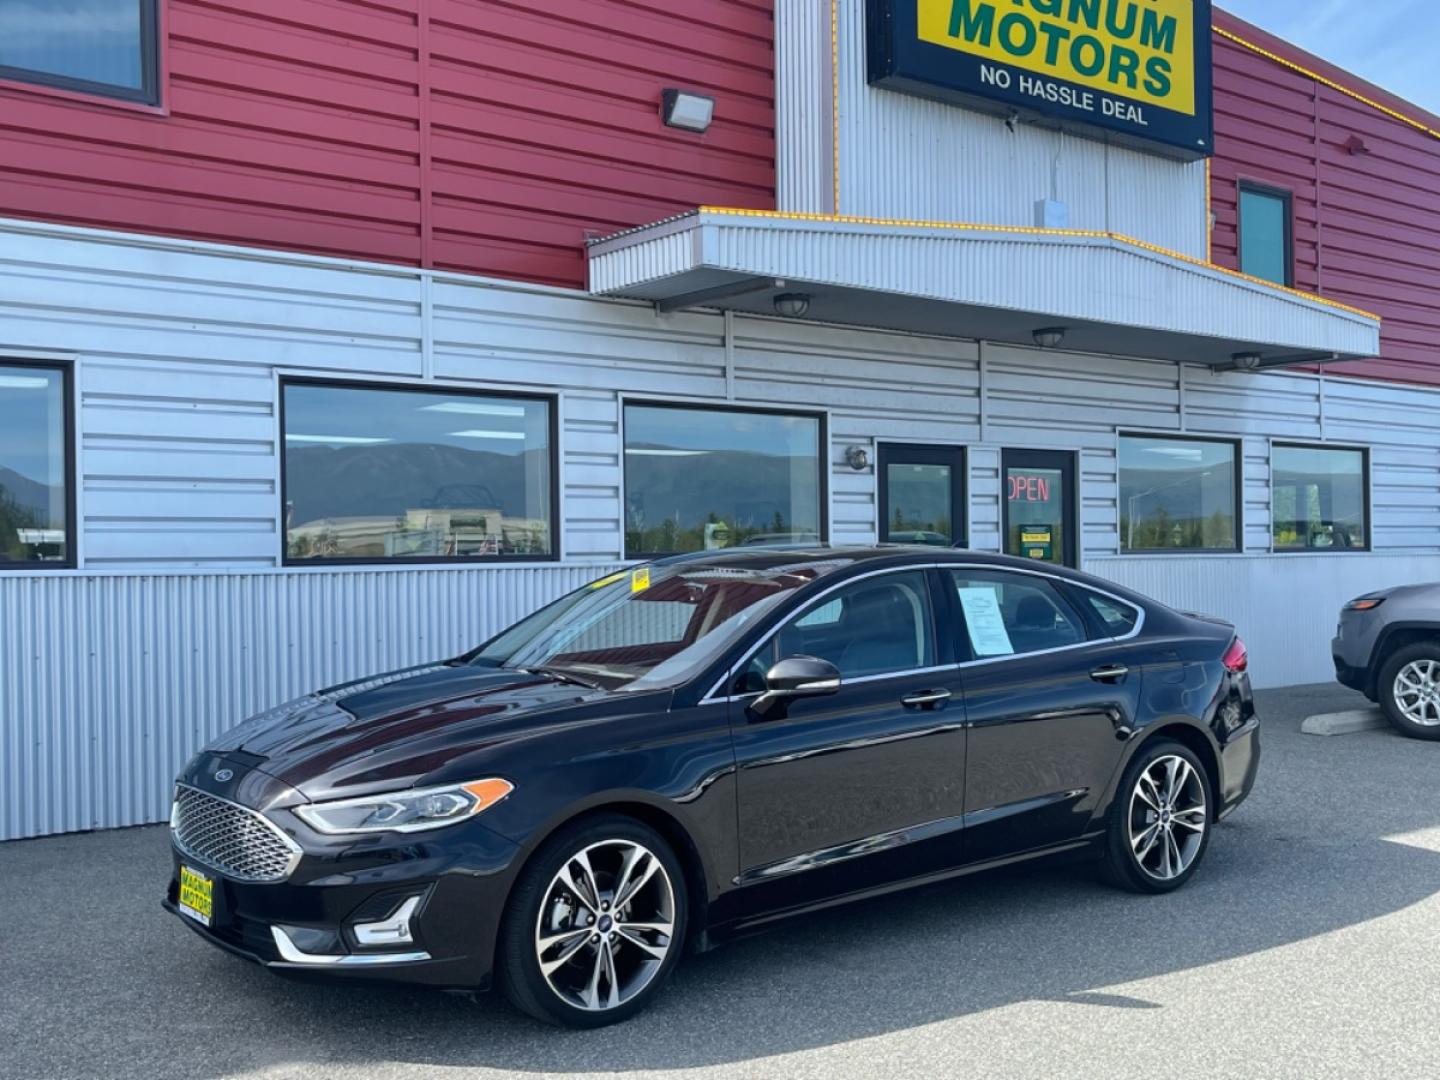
(1236, 658)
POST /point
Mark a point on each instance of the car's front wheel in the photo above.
(595, 924)
(1410, 690)
(1159, 824)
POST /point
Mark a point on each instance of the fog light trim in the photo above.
(392, 931)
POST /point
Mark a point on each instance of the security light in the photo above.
(792, 305)
(687, 111)
(1050, 337)
(1246, 361)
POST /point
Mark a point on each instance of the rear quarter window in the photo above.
(1118, 617)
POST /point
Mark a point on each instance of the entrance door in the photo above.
(1040, 505)
(922, 495)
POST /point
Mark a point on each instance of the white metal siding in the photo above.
(907, 157)
(108, 684)
(179, 623)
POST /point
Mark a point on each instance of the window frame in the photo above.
(70, 469)
(1365, 486)
(1237, 445)
(701, 405)
(151, 63)
(1287, 201)
(552, 402)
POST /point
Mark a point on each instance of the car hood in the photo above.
(389, 731)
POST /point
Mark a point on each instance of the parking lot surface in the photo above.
(1307, 946)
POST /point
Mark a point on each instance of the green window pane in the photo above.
(1265, 236)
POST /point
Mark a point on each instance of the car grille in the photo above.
(235, 840)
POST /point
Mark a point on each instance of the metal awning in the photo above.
(1111, 294)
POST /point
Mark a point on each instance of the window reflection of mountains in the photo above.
(748, 486)
(372, 481)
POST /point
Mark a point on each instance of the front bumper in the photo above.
(1346, 674)
(452, 884)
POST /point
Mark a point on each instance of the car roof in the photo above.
(838, 556)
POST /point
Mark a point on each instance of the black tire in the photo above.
(518, 965)
(1131, 815)
(1386, 689)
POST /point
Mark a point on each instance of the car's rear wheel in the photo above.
(1410, 690)
(1160, 821)
(595, 924)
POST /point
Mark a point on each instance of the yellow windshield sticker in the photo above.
(640, 579)
(607, 580)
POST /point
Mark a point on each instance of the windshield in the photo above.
(655, 626)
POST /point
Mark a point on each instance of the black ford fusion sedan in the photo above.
(691, 749)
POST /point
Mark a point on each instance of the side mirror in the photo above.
(798, 677)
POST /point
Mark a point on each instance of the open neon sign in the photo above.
(1034, 489)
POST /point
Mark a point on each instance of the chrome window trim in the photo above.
(296, 851)
(712, 697)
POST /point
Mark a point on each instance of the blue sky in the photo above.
(1389, 42)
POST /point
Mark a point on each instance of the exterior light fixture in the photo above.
(687, 111)
(1246, 361)
(857, 457)
(1050, 337)
(792, 305)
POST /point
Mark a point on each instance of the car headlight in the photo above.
(1365, 603)
(406, 811)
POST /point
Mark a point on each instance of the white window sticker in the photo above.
(988, 636)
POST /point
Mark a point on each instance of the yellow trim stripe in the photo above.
(1092, 234)
(1411, 121)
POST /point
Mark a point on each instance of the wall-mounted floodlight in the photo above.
(687, 111)
(1050, 337)
(792, 305)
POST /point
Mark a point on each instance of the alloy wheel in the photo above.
(606, 925)
(1417, 692)
(1168, 817)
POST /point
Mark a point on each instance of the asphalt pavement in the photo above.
(1308, 946)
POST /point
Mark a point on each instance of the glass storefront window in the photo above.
(105, 47)
(377, 473)
(701, 479)
(34, 468)
(1318, 499)
(1178, 494)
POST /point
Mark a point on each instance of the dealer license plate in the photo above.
(197, 895)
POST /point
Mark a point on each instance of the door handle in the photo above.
(926, 699)
(1110, 673)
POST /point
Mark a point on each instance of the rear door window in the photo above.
(1005, 614)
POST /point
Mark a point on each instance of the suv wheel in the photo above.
(1409, 688)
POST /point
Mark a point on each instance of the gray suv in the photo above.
(1388, 648)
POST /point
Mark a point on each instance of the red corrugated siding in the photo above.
(1367, 226)
(477, 135)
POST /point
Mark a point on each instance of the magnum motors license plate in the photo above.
(197, 895)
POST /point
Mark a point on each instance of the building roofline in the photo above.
(1286, 54)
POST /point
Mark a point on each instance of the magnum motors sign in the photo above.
(1137, 70)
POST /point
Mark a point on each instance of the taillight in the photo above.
(1236, 658)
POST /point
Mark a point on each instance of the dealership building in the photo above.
(335, 336)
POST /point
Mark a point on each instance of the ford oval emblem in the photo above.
(224, 775)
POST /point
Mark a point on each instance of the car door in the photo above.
(866, 785)
(1049, 700)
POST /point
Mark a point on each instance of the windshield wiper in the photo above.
(563, 674)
